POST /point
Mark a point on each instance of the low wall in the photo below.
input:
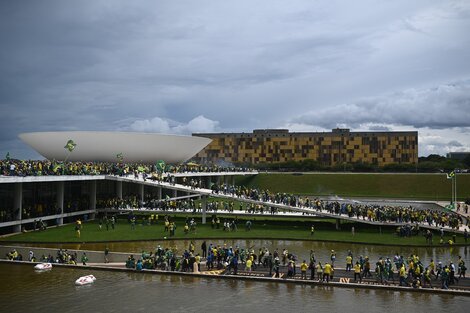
(93, 256)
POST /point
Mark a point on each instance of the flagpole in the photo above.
(452, 196)
(455, 190)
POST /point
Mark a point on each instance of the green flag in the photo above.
(161, 165)
(7, 157)
(120, 157)
(57, 167)
(70, 145)
(450, 175)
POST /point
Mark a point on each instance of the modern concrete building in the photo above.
(62, 199)
(328, 148)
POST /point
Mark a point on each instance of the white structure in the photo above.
(106, 146)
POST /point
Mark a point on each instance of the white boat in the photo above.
(85, 280)
(43, 266)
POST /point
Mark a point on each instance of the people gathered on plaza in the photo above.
(280, 263)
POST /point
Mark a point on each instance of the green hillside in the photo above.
(401, 186)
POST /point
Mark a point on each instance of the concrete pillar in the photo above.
(338, 223)
(18, 204)
(159, 195)
(204, 207)
(142, 193)
(93, 198)
(119, 189)
(60, 201)
(175, 193)
(219, 180)
(208, 182)
(233, 180)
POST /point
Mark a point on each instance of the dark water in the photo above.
(24, 290)
(299, 248)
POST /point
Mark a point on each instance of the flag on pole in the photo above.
(451, 175)
(70, 145)
(7, 157)
(161, 165)
(120, 157)
(56, 167)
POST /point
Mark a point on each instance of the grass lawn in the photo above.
(262, 229)
(400, 186)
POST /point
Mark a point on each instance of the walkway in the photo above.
(288, 208)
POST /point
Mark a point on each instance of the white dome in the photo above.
(105, 146)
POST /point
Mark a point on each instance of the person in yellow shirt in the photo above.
(403, 275)
(248, 265)
(348, 263)
(327, 272)
(319, 269)
(303, 270)
(357, 272)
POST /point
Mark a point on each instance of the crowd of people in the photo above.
(14, 167)
(369, 212)
(404, 271)
(280, 263)
(366, 212)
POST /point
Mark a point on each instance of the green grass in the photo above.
(262, 229)
(399, 186)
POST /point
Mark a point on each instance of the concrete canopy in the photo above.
(106, 146)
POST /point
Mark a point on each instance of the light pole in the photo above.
(455, 189)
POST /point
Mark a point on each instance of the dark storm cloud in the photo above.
(440, 107)
(183, 66)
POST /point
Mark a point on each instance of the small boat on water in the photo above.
(43, 266)
(85, 280)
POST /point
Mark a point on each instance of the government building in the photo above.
(337, 147)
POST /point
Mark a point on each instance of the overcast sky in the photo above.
(222, 66)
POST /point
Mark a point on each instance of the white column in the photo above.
(142, 192)
(93, 198)
(119, 189)
(159, 193)
(18, 204)
(204, 206)
(60, 201)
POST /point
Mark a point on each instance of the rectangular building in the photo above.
(328, 148)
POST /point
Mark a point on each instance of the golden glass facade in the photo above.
(329, 148)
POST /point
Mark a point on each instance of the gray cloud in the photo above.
(199, 124)
(156, 65)
(439, 107)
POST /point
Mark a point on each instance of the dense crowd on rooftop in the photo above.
(13, 167)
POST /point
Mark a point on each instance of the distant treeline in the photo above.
(430, 164)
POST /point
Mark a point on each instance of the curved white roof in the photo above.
(105, 146)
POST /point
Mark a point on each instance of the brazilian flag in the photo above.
(70, 145)
(120, 157)
(451, 175)
(57, 167)
(161, 165)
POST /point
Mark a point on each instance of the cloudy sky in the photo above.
(222, 66)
